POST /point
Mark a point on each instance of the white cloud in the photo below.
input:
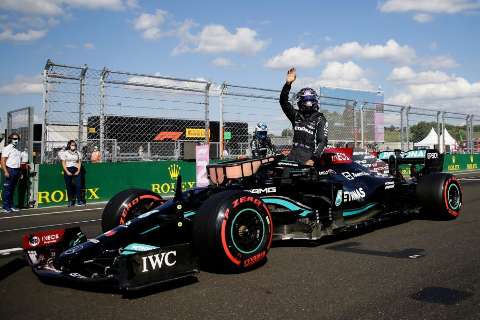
(47, 7)
(340, 75)
(89, 45)
(424, 9)
(29, 35)
(216, 39)
(422, 17)
(309, 58)
(296, 56)
(430, 6)
(391, 51)
(222, 62)
(210, 39)
(439, 62)
(57, 7)
(435, 88)
(407, 75)
(23, 85)
(32, 18)
(150, 24)
(171, 84)
(95, 4)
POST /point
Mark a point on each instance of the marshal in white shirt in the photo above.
(13, 156)
(71, 158)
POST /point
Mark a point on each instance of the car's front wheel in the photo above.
(232, 231)
(127, 205)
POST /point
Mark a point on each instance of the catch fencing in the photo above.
(130, 116)
(20, 121)
(127, 116)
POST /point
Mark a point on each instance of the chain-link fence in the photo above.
(129, 116)
(240, 109)
(21, 122)
(126, 116)
(475, 133)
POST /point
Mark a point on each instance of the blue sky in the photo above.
(420, 52)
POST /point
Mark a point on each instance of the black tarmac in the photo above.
(414, 269)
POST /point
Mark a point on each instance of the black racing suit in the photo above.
(310, 131)
(262, 148)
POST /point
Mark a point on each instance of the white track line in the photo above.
(48, 213)
(50, 225)
(464, 172)
(469, 179)
(6, 252)
(62, 206)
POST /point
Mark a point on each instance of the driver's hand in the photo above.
(309, 162)
(291, 75)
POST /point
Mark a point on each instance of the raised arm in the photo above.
(284, 103)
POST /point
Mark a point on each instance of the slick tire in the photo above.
(232, 232)
(440, 195)
(127, 205)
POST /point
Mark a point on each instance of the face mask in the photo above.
(15, 142)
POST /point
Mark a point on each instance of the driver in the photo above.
(310, 128)
(261, 144)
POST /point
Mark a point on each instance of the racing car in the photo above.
(230, 224)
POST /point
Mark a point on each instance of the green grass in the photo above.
(392, 136)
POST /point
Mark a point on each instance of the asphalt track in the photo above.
(416, 269)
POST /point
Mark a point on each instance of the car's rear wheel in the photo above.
(127, 205)
(232, 231)
(440, 194)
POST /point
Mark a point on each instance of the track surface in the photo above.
(417, 269)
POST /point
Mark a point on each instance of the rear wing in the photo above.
(429, 159)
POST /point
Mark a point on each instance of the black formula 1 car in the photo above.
(231, 223)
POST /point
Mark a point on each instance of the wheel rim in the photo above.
(453, 196)
(247, 231)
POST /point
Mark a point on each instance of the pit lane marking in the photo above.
(50, 225)
(48, 213)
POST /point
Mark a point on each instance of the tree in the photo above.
(287, 132)
(420, 130)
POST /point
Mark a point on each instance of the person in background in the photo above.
(72, 164)
(261, 144)
(96, 156)
(11, 159)
(60, 153)
(142, 154)
(24, 181)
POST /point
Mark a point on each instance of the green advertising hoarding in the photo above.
(104, 180)
(461, 162)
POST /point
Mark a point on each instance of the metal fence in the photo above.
(130, 116)
(21, 122)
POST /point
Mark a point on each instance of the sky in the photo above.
(423, 53)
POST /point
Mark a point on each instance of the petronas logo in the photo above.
(453, 159)
(471, 158)
(174, 171)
